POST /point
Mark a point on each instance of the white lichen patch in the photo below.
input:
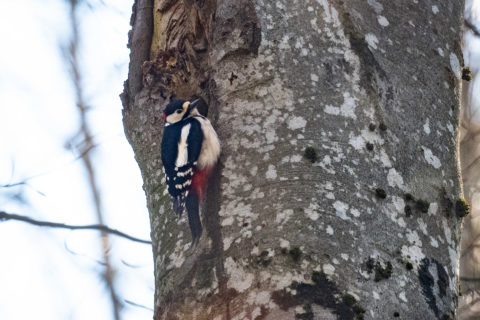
(283, 216)
(377, 6)
(422, 226)
(402, 296)
(332, 110)
(329, 230)
(447, 231)
(347, 109)
(326, 164)
(177, 257)
(238, 278)
(281, 281)
(257, 194)
(359, 142)
(328, 269)
(426, 127)
(395, 209)
(292, 159)
(455, 65)
(296, 123)
(413, 238)
(330, 13)
(431, 158)
(395, 179)
(432, 210)
(433, 242)
(312, 211)
(271, 172)
(258, 298)
(414, 253)
(284, 243)
(453, 259)
(355, 212)
(341, 209)
(384, 159)
(371, 40)
(227, 221)
(240, 213)
(435, 9)
(227, 241)
(383, 21)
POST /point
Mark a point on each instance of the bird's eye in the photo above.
(179, 111)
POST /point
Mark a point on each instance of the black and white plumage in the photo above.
(190, 150)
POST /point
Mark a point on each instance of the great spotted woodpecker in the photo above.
(190, 150)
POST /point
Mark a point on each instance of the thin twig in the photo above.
(472, 27)
(131, 265)
(23, 183)
(4, 216)
(137, 305)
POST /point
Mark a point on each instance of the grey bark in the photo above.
(323, 108)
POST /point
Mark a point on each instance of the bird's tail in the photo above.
(192, 205)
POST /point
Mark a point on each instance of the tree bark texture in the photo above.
(329, 113)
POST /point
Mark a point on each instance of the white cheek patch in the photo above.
(174, 117)
(182, 157)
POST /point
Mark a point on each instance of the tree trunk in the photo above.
(337, 191)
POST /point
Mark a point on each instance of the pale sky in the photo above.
(39, 277)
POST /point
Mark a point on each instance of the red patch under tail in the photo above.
(200, 180)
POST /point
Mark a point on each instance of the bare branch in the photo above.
(137, 305)
(472, 27)
(4, 216)
(131, 265)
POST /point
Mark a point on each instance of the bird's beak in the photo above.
(193, 103)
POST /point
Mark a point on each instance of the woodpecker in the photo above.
(190, 150)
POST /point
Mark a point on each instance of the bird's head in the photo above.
(178, 110)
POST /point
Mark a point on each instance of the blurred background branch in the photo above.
(4, 216)
(85, 148)
(469, 287)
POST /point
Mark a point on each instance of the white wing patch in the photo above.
(182, 157)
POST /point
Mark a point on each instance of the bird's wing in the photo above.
(181, 147)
